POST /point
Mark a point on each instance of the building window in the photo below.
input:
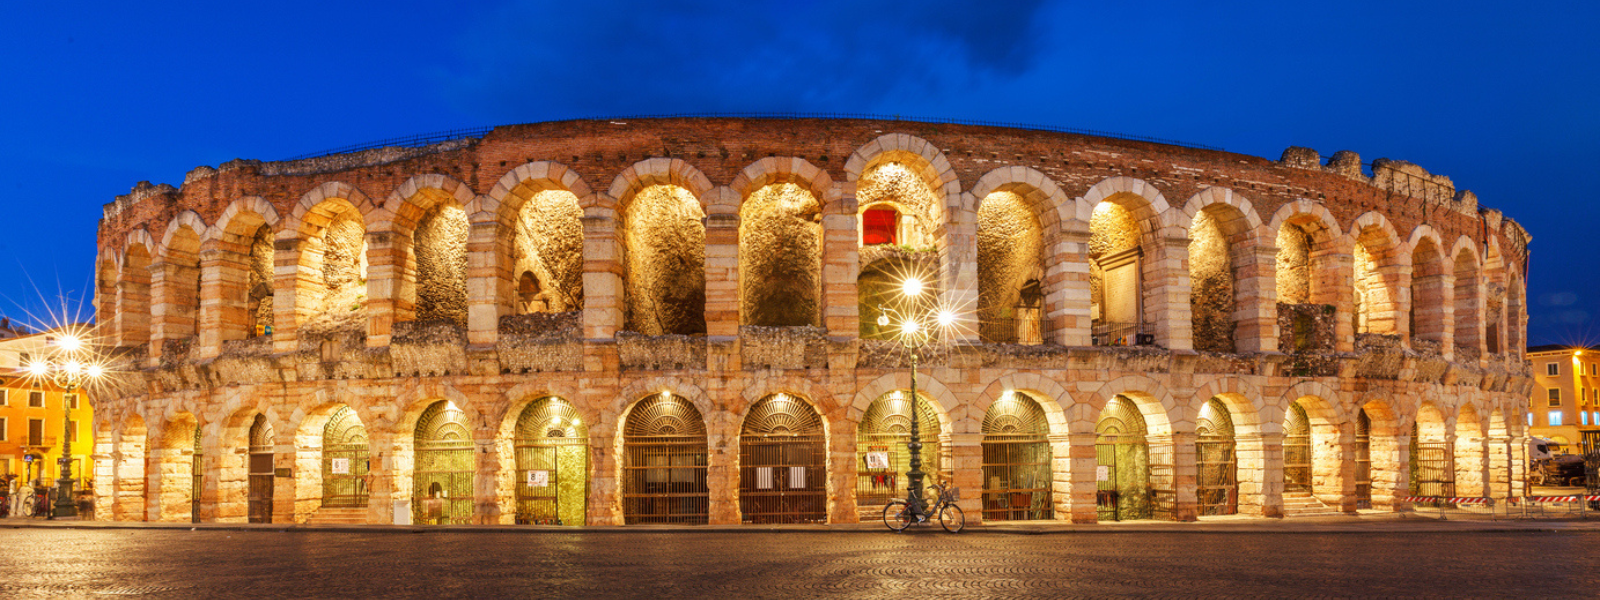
(1552, 368)
(36, 399)
(5, 397)
(1555, 396)
(1555, 418)
(1592, 371)
(35, 432)
(1530, 419)
(4, 431)
(72, 401)
(879, 226)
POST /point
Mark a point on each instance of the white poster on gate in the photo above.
(1102, 473)
(877, 460)
(340, 466)
(538, 479)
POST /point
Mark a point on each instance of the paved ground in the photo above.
(1414, 558)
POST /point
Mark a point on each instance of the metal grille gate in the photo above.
(260, 495)
(882, 458)
(782, 463)
(1363, 451)
(1122, 459)
(1297, 450)
(1431, 475)
(1016, 460)
(442, 477)
(664, 478)
(552, 449)
(344, 460)
(1215, 460)
(197, 479)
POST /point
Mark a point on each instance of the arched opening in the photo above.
(1494, 301)
(783, 463)
(1373, 293)
(665, 238)
(780, 257)
(1016, 460)
(1217, 233)
(105, 294)
(442, 476)
(1122, 459)
(133, 297)
(331, 291)
(1431, 475)
(345, 462)
(262, 445)
(882, 455)
(664, 462)
(439, 247)
(547, 256)
(129, 503)
(1426, 313)
(879, 290)
(1469, 454)
(1468, 319)
(1297, 451)
(1500, 457)
(197, 477)
(552, 451)
(180, 289)
(244, 254)
(172, 462)
(1363, 459)
(1010, 268)
(258, 284)
(1116, 263)
(897, 208)
(1216, 461)
(1306, 299)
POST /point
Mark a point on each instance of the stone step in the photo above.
(1306, 505)
(338, 516)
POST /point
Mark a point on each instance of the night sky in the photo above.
(1504, 98)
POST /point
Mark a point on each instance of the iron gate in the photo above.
(196, 479)
(782, 463)
(664, 476)
(1363, 451)
(552, 464)
(260, 495)
(1122, 459)
(1297, 450)
(442, 477)
(1016, 460)
(882, 458)
(1431, 475)
(1215, 460)
(344, 460)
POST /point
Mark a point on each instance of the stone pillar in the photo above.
(486, 508)
(216, 316)
(1498, 464)
(1166, 291)
(1394, 481)
(1177, 473)
(105, 476)
(391, 285)
(1390, 303)
(172, 306)
(1332, 283)
(160, 481)
(605, 491)
(1261, 474)
(842, 466)
(391, 477)
(1450, 457)
(603, 272)
(1074, 472)
(128, 497)
(722, 277)
(285, 473)
(1067, 287)
(307, 482)
(294, 293)
(957, 242)
(1256, 299)
(1333, 466)
(1470, 466)
(722, 470)
(966, 466)
(487, 281)
(841, 265)
(1519, 465)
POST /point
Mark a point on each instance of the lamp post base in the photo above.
(65, 507)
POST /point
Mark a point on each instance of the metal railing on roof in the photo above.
(474, 132)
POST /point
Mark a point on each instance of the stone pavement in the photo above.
(1232, 558)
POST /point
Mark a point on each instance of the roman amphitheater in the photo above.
(676, 320)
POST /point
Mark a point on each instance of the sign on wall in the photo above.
(538, 479)
(340, 466)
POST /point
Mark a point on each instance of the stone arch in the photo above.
(1019, 214)
(815, 505)
(1310, 256)
(926, 160)
(105, 292)
(1128, 222)
(780, 242)
(663, 207)
(175, 282)
(326, 233)
(241, 272)
(1467, 302)
(509, 408)
(937, 393)
(625, 399)
(308, 428)
(430, 232)
(787, 169)
(1377, 276)
(1325, 443)
(133, 289)
(537, 213)
(306, 213)
(1387, 455)
(197, 227)
(1516, 313)
(1426, 299)
(659, 171)
(1052, 397)
(233, 460)
(1225, 266)
(1161, 411)
(715, 423)
(1252, 422)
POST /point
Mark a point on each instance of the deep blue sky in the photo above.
(1502, 97)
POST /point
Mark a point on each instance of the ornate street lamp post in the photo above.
(917, 328)
(70, 367)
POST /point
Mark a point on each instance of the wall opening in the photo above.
(780, 257)
(1016, 460)
(334, 252)
(181, 270)
(1468, 319)
(1426, 313)
(1116, 264)
(665, 237)
(439, 245)
(552, 452)
(1122, 452)
(882, 456)
(1216, 461)
(1211, 284)
(133, 297)
(262, 445)
(547, 257)
(783, 474)
(893, 190)
(345, 462)
(444, 466)
(664, 463)
(1010, 267)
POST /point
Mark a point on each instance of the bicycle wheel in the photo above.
(896, 516)
(951, 518)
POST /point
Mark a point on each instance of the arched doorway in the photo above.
(442, 477)
(1016, 460)
(1363, 452)
(1217, 485)
(344, 460)
(260, 496)
(1431, 475)
(882, 458)
(783, 463)
(1297, 450)
(552, 450)
(664, 448)
(1122, 463)
(197, 480)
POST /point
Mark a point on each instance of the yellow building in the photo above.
(1566, 393)
(31, 413)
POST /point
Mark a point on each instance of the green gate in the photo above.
(1016, 460)
(1122, 463)
(1217, 485)
(1297, 450)
(882, 458)
(442, 479)
(344, 460)
(552, 449)
(783, 463)
(1431, 475)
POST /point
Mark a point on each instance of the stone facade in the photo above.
(739, 274)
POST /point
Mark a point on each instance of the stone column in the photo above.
(841, 265)
(172, 306)
(1067, 287)
(128, 501)
(1177, 473)
(1336, 473)
(1393, 481)
(1256, 299)
(842, 466)
(391, 285)
(391, 477)
(1332, 283)
(722, 471)
(307, 482)
(1166, 290)
(487, 281)
(722, 278)
(604, 504)
(285, 472)
(294, 291)
(603, 293)
(486, 508)
(1261, 474)
(966, 466)
(105, 476)
(217, 317)
(957, 243)
(1075, 472)
(1498, 464)
(1519, 465)
(1391, 301)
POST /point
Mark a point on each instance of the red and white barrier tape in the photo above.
(1415, 499)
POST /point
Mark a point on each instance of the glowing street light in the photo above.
(71, 366)
(916, 331)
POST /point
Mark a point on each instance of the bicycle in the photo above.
(898, 515)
